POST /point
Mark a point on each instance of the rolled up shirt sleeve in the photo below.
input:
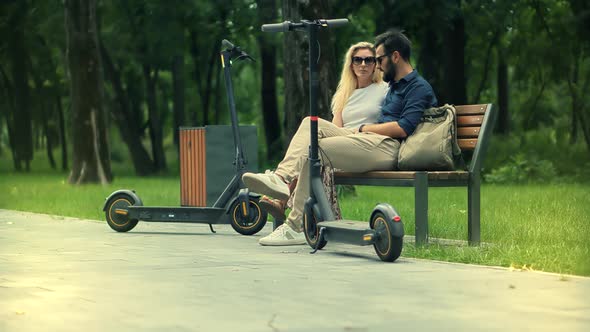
(417, 100)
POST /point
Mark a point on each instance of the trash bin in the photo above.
(207, 161)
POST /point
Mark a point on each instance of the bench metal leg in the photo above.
(473, 210)
(421, 207)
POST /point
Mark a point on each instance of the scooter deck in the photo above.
(207, 215)
(348, 231)
(344, 224)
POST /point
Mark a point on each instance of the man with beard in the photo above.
(409, 94)
(370, 147)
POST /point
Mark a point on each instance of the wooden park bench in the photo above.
(475, 125)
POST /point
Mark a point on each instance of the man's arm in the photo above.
(391, 129)
(415, 102)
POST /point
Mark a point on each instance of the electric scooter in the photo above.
(386, 230)
(236, 205)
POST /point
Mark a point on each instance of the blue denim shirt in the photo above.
(406, 100)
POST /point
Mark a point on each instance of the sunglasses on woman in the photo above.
(358, 60)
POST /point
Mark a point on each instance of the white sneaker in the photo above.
(283, 236)
(268, 184)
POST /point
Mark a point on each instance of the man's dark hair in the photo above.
(394, 40)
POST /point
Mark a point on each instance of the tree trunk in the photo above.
(198, 54)
(574, 126)
(91, 162)
(155, 123)
(486, 68)
(454, 78)
(62, 133)
(296, 78)
(219, 109)
(429, 64)
(23, 140)
(56, 93)
(577, 101)
(267, 13)
(9, 115)
(503, 126)
(45, 115)
(178, 94)
(129, 127)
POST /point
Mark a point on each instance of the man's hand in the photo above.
(391, 129)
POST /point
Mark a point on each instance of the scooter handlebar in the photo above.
(276, 27)
(337, 22)
(227, 44)
(288, 25)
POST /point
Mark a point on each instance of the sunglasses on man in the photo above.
(358, 60)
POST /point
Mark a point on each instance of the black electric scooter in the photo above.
(386, 230)
(236, 205)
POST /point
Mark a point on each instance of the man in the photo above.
(370, 147)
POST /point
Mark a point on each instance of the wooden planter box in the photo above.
(207, 161)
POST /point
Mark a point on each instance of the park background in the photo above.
(144, 68)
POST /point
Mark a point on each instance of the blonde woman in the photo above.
(361, 89)
(357, 101)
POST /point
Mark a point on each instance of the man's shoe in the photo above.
(267, 184)
(283, 236)
(275, 207)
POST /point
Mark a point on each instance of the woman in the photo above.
(357, 100)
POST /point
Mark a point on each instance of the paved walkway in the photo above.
(64, 274)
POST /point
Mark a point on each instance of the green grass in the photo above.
(540, 227)
(543, 227)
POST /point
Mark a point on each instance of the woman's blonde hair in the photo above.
(348, 82)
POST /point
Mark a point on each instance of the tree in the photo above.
(127, 119)
(19, 120)
(267, 12)
(295, 52)
(91, 161)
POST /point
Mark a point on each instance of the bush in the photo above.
(536, 156)
(520, 169)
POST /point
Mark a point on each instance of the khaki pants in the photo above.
(339, 147)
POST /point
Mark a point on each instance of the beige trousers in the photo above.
(339, 147)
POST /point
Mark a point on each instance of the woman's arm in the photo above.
(337, 120)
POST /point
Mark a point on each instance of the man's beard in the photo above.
(389, 75)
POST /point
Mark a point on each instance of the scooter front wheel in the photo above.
(387, 246)
(312, 231)
(117, 214)
(248, 223)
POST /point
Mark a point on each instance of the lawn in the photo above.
(539, 227)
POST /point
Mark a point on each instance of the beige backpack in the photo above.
(433, 145)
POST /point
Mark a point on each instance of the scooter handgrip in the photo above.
(337, 22)
(276, 27)
(227, 44)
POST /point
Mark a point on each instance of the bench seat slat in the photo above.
(438, 175)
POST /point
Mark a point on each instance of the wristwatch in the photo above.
(361, 128)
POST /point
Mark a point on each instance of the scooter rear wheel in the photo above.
(311, 231)
(387, 246)
(250, 224)
(117, 215)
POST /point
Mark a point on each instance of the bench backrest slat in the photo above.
(475, 124)
(468, 132)
(469, 121)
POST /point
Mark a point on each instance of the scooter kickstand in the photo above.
(320, 238)
(211, 228)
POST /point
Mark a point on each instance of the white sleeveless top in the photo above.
(364, 105)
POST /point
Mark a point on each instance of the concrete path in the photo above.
(64, 274)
